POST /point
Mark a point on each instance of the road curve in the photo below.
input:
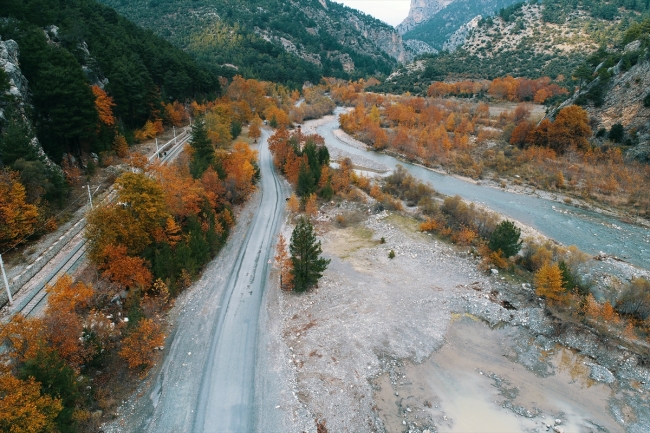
(225, 402)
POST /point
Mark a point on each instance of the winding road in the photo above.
(207, 380)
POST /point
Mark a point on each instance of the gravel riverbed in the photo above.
(359, 352)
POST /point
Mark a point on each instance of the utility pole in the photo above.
(90, 197)
(4, 277)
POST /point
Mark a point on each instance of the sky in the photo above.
(392, 12)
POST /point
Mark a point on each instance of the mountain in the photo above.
(420, 12)
(279, 40)
(450, 17)
(522, 40)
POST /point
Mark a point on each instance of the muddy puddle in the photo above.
(473, 384)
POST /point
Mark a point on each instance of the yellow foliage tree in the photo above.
(311, 205)
(255, 128)
(549, 284)
(23, 409)
(293, 203)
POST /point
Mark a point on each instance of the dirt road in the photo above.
(207, 380)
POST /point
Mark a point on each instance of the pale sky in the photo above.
(392, 12)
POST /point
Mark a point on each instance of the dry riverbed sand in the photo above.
(428, 342)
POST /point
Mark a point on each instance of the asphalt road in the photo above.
(206, 382)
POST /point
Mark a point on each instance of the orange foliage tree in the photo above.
(63, 320)
(17, 217)
(123, 270)
(104, 105)
(138, 347)
(283, 262)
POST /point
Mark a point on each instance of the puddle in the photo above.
(471, 385)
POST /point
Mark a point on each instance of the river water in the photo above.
(590, 231)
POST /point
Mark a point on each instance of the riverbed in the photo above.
(590, 231)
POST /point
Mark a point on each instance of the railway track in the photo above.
(33, 299)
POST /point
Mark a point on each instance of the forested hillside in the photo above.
(76, 78)
(524, 40)
(92, 42)
(286, 42)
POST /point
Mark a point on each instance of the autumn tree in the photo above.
(283, 262)
(549, 284)
(17, 217)
(293, 203)
(138, 347)
(104, 105)
(255, 128)
(570, 130)
(63, 320)
(123, 270)
(308, 266)
(311, 205)
(23, 409)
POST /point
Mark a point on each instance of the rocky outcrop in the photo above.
(18, 91)
(459, 37)
(419, 47)
(9, 54)
(420, 12)
(385, 38)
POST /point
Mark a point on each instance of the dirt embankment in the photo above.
(382, 344)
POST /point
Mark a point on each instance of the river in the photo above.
(590, 231)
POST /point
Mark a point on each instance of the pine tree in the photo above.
(308, 266)
(203, 155)
(306, 182)
(505, 237)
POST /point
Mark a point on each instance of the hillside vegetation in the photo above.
(438, 29)
(523, 40)
(282, 41)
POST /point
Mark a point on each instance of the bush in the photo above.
(391, 255)
(617, 133)
(505, 238)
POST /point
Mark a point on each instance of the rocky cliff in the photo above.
(420, 12)
(17, 94)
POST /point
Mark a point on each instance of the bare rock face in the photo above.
(9, 54)
(421, 11)
(18, 88)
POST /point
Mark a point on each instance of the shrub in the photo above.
(617, 133)
(391, 254)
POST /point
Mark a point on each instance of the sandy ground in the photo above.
(386, 345)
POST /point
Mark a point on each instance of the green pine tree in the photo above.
(505, 237)
(306, 182)
(305, 250)
(203, 155)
